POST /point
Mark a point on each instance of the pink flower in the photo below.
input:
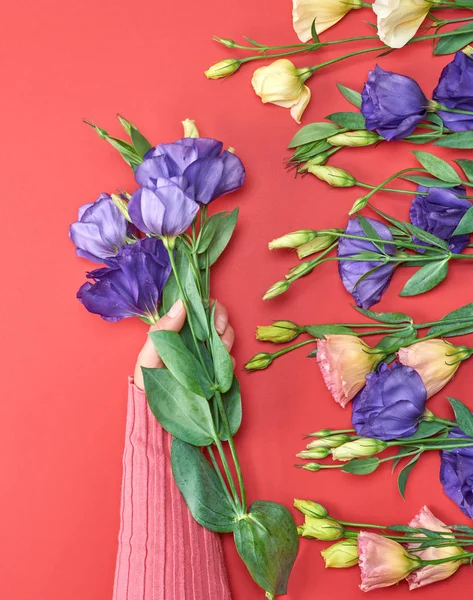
(383, 562)
(433, 573)
(436, 361)
(345, 361)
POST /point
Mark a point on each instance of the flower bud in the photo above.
(259, 361)
(278, 333)
(321, 242)
(225, 41)
(321, 433)
(341, 555)
(309, 508)
(332, 175)
(361, 448)
(314, 453)
(468, 50)
(321, 529)
(300, 270)
(353, 139)
(277, 288)
(224, 68)
(314, 467)
(358, 205)
(190, 129)
(318, 159)
(294, 239)
(122, 205)
(329, 442)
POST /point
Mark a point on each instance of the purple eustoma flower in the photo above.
(365, 286)
(455, 90)
(392, 104)
(439, 212)
(456, 474)
(391, 404)
(131, 284)
(101, 230)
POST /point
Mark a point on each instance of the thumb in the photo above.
(173, 320)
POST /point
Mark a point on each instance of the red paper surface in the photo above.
(63, 403)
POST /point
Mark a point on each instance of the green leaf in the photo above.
(423, 138)
(456, 317)
(182, 413)
(462, 140)
(267, 542)
(400, 454)
(427, 237)
(320, 331)
(313, 32)
(220, 238)
(127, 152)
(385, 317)
(182, 363)
(404, 474)
(397, 339)
(426, 278)
(427, 181)
(313, 133)
(437, 167)
(232, 403)
(196, 306)
(350, 95)
(350, 120)
(370, 232)
(462, 528)
(467, 167)
(361, 466)
(463, 416)
(140, 143)
(221, 358)
(171, 291)
(308, 151)
(426, 429)
(208, 231)
(202, 490)
(451, 44)
(402, 528)
(466, 223)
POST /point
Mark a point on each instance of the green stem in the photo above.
(293, 347)
(397, 190)
(447, 559)
(222, 481)
(228, 472)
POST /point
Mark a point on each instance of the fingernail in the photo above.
(175, 309)
(221, 324)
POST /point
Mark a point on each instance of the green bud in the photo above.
(276, 289)
(190, 129)
(341, 555)
(300, 270)
(321, 433)
(294, 239)
(225, 41)
(314, 467)
(358, 205)
(468, 50)
(332, 175)
(428, 415)
(318, 159)
(321, 529)
(332, 441)
(353, 139)
(259, 361)
(278, 333)
(122, 205)
(361, 448)
(224, 68)
(314, 453)
(313, 509)
(321, 242)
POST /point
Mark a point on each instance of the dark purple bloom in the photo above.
(366, 287)
(391, 404)
(456, 474)
(101, 230)
(439, 213)
(392, 104)
(455, 90)
(200, 161)
(131, 284)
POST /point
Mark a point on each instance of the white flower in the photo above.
(325, 12)
(399, 20)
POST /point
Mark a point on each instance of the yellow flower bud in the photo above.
(341, 555)
(361, 448)
(314, 453)
(190, 129)
(313, 509)
(332, 441)
(294, 239)
(259, 361)
(358, 205)
(321, 242)
(321, 529)
(300, 270)
(278, 333)
(353, 139)
(277, 288)
(224, 68)
(332, 175)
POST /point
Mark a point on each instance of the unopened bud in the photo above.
(190, 129)
(468, 50)
(259, 361)
(309, 508)
(224, 68)
(361, 448)
(321, 529)
(321, 242)
(300, 270)
(428, 415)
(341, 555)
(276, 289)
(122, 205)
(311, 467)
(225, 41)
(294, 239)
(321, 433)
(358, 205)
(278, 333)
(332, 441)
(332, 175)
(314, 453)
(318, 159)
(353, 139)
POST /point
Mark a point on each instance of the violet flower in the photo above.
(131, 284)
(455, 90)
(456, 474)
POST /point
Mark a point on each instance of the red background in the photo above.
(64, 370)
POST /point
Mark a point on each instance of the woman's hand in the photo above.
(174, 321)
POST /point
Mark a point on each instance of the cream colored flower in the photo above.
(282, 83)
(399, 20)
(325, 12)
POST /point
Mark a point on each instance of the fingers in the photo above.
(228, 337)
(173, 320)
(221, 318)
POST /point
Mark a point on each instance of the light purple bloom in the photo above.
(391, 404)
(366, 291)
(131, 284)
(455, 90)
(101, 230)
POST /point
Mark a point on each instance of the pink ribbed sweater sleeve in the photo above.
(163, 554)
